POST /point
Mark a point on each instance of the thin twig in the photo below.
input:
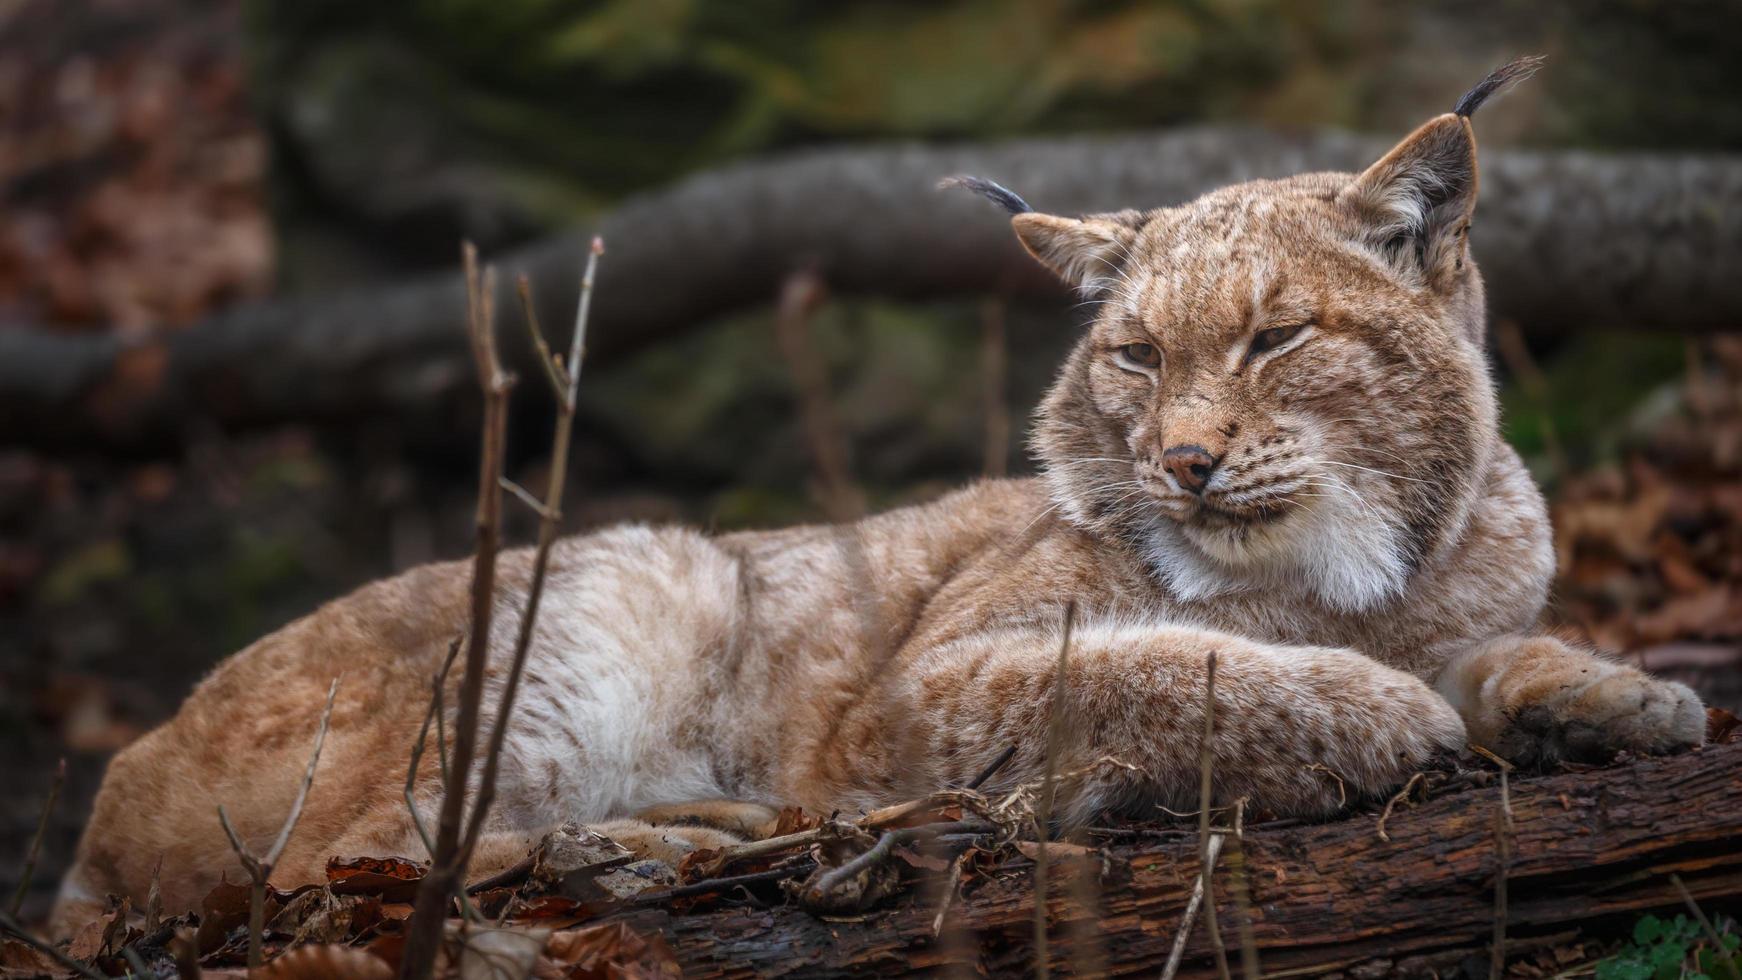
(1719, 950)
(1342, 789)
(799, 300)
(885, 846)
(16, 930)
(54, 788)
(836, 830)
(434, 713)
(447, 866)
(260, 868)
(553, 372)
(186, 953)
(1055, 730)
(992, 767)
(547, 534)
(1402, 794)
(1188, 813)
(951, 883)
(1191, 914)
(709, 885)
(578, 339)
(994, 357)
(1249, 965)
(136, 964)
(872, 855)
(1515, 354)
(154, 897)
(532, 503)
(1502, 764)
(1503, 862)
(1206, 768)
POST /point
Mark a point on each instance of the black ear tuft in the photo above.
(1508, 74)
(990, 190)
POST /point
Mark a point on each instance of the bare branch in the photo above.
(260, 868)
(16, 930)
(447, 865)
(1055, 730)
(550, 513)
(546, 359)
(1250, 968)
(433, 714)
(1720, 952)
(994, 361)
(532, 503)
(1206, 765)
(583, 309)
(1502, 866)
(308, 779)
(992, 767)
(1190, 916)
(800, 296)
(1402, 794)
(54, 788)
(951, 885)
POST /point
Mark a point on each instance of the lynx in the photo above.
(1277, 441)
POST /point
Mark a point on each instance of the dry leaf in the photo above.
(325, 962)
(393, 879)
(27, 959)
(1722, 727)
(500, 954)
(607, 952)
(791, 820)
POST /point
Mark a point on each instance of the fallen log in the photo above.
(1566, 240)
(1586, 847)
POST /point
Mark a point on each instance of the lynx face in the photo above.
(1283, 386)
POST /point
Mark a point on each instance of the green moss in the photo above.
(74, 576)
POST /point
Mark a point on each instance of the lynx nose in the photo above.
(1190, 465)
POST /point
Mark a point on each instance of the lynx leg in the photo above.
(1284, 715)
(1537, 700)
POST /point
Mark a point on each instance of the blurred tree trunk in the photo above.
(1566, 240)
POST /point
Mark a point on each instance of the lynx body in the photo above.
(1277, 441)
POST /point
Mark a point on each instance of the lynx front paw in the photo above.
(1345, 727)
(1558, 703)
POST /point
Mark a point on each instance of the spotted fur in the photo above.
(1367, 558)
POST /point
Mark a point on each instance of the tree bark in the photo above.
(1325, 898)
(1566, 240)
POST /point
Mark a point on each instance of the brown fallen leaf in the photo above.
(26, 959)
(393, 879)
(324, 962)
(607, 952)
(1722, 727)
(791, 820)
(319, 916)
(225, 907)
(103, 936)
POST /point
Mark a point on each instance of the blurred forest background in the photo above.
(162, 160)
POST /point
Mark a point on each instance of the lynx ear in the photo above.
(1417, 201)
(1085, 252)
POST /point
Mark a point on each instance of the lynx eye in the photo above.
(1143, 357)
(1271, 339)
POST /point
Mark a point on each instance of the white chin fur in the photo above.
(1332, 550)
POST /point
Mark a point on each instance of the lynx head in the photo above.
(1284, 384)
